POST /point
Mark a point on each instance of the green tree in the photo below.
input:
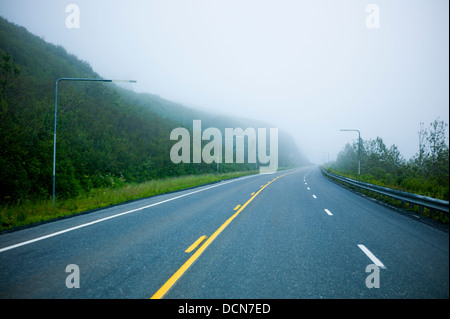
(8, 74)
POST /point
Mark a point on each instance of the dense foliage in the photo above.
(426, 173)
(106, 136)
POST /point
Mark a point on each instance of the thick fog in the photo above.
(310, 67)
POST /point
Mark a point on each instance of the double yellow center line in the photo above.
(172, 280)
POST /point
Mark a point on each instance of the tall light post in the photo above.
(56, 108)
(359, 149)
(328, 156)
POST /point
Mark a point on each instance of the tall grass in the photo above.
(426, 188)
(30, 212)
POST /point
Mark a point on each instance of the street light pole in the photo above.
(56, 108)
(359, 149)
(328, 157)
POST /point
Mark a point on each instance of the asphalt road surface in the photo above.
(293, 234)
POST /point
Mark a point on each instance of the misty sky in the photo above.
(309, 67)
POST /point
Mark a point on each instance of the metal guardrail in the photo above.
(422, 201)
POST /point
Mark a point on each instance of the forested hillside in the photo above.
(106, 135)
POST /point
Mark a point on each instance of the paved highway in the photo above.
(293, 234)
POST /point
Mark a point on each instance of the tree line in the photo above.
(426, 173)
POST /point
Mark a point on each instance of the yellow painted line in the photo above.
(194, 245)
(172, 280)
(252, 194)
(237, 207)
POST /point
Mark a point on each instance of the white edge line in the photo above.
(117, 215)
(372, 257)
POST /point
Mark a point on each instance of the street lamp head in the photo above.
(125, 81)
(94, 80)
(349, 130)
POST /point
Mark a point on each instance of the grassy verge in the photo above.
(409, 184)
(30, 212)
(435, 215)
